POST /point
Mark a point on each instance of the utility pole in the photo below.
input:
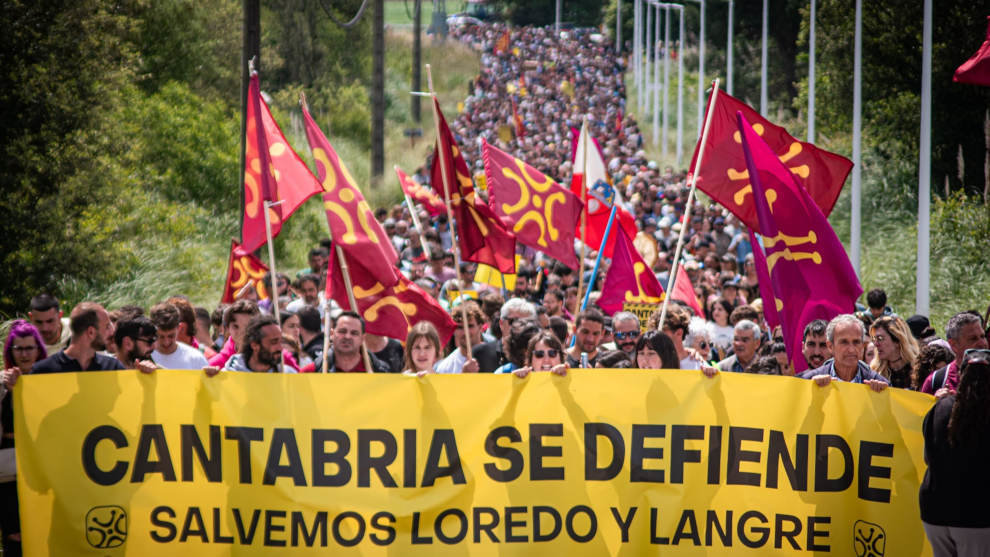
(378, 96)
(417, 58)
(250, 48)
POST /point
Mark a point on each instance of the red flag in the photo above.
(387, 310)
(809, 272)
(272, 172)
(426, 197)
(243, 267)
(597, 212)
(518, 121)
(684, 291)
(541, 213)
(481, 235)
(350, 218)
(629, 279)
(723, 174)
(976, 70)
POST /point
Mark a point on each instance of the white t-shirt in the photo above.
(690, 363)
(184, 357)
(721, 336)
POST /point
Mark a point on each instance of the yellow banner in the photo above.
(600, 462)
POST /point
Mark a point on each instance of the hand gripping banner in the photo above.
(600, 462)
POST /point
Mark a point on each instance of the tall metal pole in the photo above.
(701, 66)
(924, 166)
(763, 61)
(417, 59)
(666, 78)
(656, 74)
(811, 75)
(854, 228)
(728, 49)
(648, 51)
(618, 26)
(680, 91)
(378, 96)
(637, 53)
(250, 49)
(557, 24)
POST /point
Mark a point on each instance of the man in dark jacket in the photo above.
(845, 336)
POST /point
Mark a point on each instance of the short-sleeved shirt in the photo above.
(184, 357)
(61, 363)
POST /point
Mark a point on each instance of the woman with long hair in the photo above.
(422, 349)
(719, 329)
(954, 494)
(544, 353)
(22, 349)
(655, 350)
(897, 351)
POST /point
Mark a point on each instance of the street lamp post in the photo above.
(763, 61)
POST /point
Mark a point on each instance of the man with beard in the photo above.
(135, 338)
(91, 332)
(626, 326)
(345, 355)
(588, 328)
(261, 351)
(814, 346)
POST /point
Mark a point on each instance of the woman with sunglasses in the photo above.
(655, 350)
(699, 339)
(544, 353)
(897, 351)
(22, 349)
(954, 494)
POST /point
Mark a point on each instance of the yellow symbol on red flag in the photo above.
(639, 270)
(795, 148)
(529, 198)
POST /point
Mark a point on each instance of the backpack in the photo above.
(938, 378)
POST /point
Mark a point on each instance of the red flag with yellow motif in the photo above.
(350, 218)
(541, 213)
(480, 234)
(417, 192)
(388, 310)
(243, 268)
(629, 280)
(272, 172)
(518, 121)
(724, 175)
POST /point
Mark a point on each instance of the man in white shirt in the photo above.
(170, 353)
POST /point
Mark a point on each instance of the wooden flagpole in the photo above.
(347, 286)
(271, 268)
(583, 139)
(448, 190)
(672, 279)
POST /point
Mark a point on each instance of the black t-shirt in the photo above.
(489, 356)
(392, 355)
(576, 362)
(61, 363)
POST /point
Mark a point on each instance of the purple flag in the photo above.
(766, 289)
(809, 271)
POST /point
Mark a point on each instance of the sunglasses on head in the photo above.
(976, 355)
(548, 353)
(627, 334)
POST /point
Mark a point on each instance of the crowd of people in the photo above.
(539, 326)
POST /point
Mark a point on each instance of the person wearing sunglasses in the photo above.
(24, 347)
(544, 353)
(964, 331)
(626, 326)
(136, 339)
(954, 493)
